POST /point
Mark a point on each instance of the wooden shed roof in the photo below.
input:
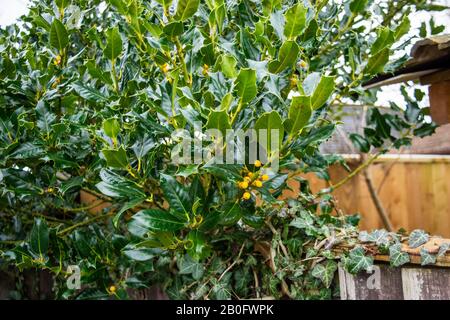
(428, 56)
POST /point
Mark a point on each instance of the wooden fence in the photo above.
(413, 189)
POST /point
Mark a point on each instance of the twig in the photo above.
(376, 200)
(84, 223)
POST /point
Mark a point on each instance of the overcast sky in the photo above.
(10, 10)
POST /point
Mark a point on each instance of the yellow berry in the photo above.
(112, 289)
(293, 81)
(246, 195)
(165, 68)
(303, 64)
(243, 184)
(57, 60)
(257, 183)
(250, 175)
(247, 179)
(258, 163)
(205, 70)
(264, 177)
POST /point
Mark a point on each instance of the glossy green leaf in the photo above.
(87, 92)
(228, 66)
(59, 38)
(186, 9)
(245, 85)
(177, 196)
(116, 158)
(113, 47)
(299, 113)
(174, 29)
(286, 58)
(111, 127)
(385, 39)
(271, 121)
(377, 62)
(295, 21)
(219, 120)
(358, 6)
(39, 237)
(153, 220)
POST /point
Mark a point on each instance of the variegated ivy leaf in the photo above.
(396, 256)
(443, 248)
(417, 238)
(426, 257)
(358, 261)
(325, 272)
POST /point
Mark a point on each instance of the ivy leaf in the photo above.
(295, 18)
(177, 196)
(286, 57)
(271, 121)
(443, 248)
(39, 237)
(186, 9)
(417, 238)
(113, 47)
(116, 158)
(59, 38)
(396, 256)
(187, 265)
(325, 272)
(153, 220)
(426, 258)
(299, 114)
(358, 261)
(245, 85)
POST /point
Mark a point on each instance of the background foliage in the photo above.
(91, 92)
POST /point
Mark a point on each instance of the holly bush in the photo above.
(91, 95)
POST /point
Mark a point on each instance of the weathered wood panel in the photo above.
(415, 194)
(387, 283)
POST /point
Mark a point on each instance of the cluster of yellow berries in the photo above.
(57, 60)
(250, 179)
